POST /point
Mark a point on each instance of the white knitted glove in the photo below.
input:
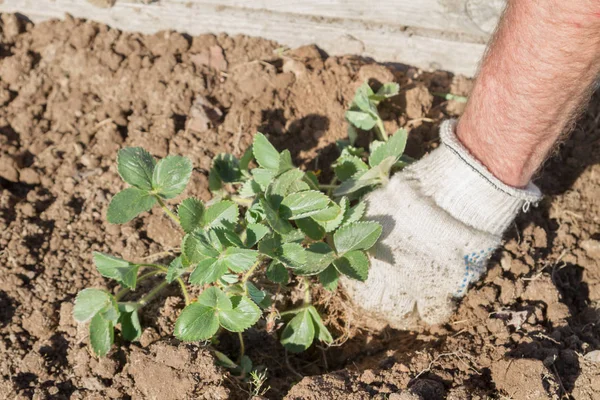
(442, 218)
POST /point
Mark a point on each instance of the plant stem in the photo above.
(307, 297)
(249, 273)
(159, 267)
(242, 347)
(167, 210)
(121, 293)
(381, 130)
(184, 291)
(151, 294)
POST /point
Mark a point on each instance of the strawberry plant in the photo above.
(268, 221)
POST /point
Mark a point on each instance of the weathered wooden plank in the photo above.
(458, 16)
(382, 42)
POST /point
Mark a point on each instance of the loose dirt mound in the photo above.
(72, 93)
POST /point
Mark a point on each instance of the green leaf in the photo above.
(386, 91)
(277, 273)
(318, 257)
(331, 217)
(276, 221)
(355, 213)
(176, 269)
(128, 204)
(214, 181)
(303, 204)
(222, 214)
(361, 120)
(116, 268)
(356, 236)
(260, 297)
(190, 213)
(354, 264)
(361, 98)
(347, 166)
(215, 298)
(90, 302)
(242, 316)
(208, 271)
(196, 322)
(265, 154)
(250, 188)
(278, 189)
(374, 176)
(311, 180)
(135, 166)
(197, 246)
(295, 236)
(299, 333)
(239, 260)
(227, 167)
(223, 360)
(254, 233)
(321, 331)
(291, 255)
(352, 134)
(311, 228)
(255, 213)
(131, 329)
(394, 147)
(246, 158)
(101, 335)
(285, 162)
(329, 278)
(263, 176)
(171, 176)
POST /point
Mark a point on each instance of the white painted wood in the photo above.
(383, 42)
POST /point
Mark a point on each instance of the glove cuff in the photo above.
(466, 189)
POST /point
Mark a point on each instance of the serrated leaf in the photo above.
(254, 233)
(239, 260)
(278, 189)
(116, 268)
(276, 221)
(285, 162)
(215, 298)
(131, 329)
(291, 255)
(197, 246)
(361, 120)
(255, 213)
(176, 269)
(190, 213)
(374, 176)
(135, 166)
(196, 322)
(354, 214)
(260, 297)
(250, 188)
(214, 181)
(347, 166)
(329, 278)
(208, 271)
(311, 228)
(394, 147)
(303, 204)
(332, 216)
(222, 214)
(354, 264)
(171, 176)
(128, 204)
(361, 98)
(277, 273)
(294, 236)
(90, 302)
(227, 167)
(318, 257)
(265, 154)
(263, 176)
(321, 331)
(242, 316)
(101, 335)
(299, 333)
(356, 236)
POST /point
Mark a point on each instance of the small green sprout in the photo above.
(269, 224)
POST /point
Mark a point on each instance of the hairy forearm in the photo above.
(536, 76)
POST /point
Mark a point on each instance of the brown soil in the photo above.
(74, 92)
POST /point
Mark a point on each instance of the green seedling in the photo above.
(269, 224)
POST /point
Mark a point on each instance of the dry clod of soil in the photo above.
(74, 92)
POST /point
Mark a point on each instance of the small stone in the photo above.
(592, 248)
(29, 176)
(8, 168)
